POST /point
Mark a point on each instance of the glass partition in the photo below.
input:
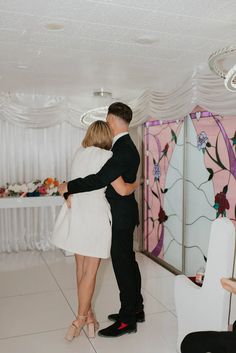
(190, 179)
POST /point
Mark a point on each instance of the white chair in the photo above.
(207, 307)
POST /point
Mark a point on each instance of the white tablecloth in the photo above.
(40, 201)
(26, 223)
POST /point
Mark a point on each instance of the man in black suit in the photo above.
(124, 162)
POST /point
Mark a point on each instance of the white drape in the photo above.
(204, 89)
(38, 111)
(27, 154)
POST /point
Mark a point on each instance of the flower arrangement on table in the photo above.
(48, 187)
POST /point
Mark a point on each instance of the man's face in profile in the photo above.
(110, 120)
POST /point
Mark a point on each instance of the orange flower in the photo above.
(48, 181)
(56, 182)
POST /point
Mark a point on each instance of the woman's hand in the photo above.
(62, 188)
(136, 184)
(68, 201)
(123, 188)
(229, 285)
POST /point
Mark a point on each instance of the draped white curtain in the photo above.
(39, 135)
(38, 111)
(204, 89)
(28, 154)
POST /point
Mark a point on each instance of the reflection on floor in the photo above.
(38, 302)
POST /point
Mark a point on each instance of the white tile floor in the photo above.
(38, 302)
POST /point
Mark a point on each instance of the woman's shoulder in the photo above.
(98, 150)
(91, 153)
(80, 149)
(98, 154)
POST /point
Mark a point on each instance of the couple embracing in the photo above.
(98, 220)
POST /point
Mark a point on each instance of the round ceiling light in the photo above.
(22, 67)
(230, 79)
(101, 100)
(146, 39)
(94, 114)
(54, 26)
(217, 65)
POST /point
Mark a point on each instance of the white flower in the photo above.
(52, 191)
(31, 187)
(24, 188)
(15, 188)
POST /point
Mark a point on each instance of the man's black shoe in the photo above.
(140, 317)
(118, 329)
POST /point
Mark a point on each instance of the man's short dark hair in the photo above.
(121, 110)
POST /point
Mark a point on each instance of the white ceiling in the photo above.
(98, 46)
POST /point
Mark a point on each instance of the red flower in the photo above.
(221, 202)
(42, 190)
(162, 217)
(3, 192)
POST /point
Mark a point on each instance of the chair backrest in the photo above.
(221, 250)
(220, 263)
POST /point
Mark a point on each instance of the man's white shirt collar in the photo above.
(118, 136)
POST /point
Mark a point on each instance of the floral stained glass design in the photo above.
(190, 172)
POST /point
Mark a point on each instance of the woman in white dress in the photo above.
(84, 223)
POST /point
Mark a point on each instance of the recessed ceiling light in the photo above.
(54, 26)
(145, 39)
(23, 67)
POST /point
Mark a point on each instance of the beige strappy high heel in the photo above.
(92, 324)
(75, 328)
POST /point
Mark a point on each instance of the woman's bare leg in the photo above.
(79, 260)
(86, 271)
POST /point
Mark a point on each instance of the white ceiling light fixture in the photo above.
(22, 67)
(217, 63)
(230, 79)
(102, 93)
(93, 115)
(146, 40)
(54, 26)
(102, 99)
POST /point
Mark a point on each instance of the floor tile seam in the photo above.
(91, 341)
(30, 293)
(153, 314)
(156, 277)
(58, 285)
(175, 315)
(149, 293)
(167, 309)
(32, 333)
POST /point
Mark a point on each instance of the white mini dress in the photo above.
(85, 228)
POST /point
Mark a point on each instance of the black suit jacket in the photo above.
(124, 162)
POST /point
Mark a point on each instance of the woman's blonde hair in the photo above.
(98, 135)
